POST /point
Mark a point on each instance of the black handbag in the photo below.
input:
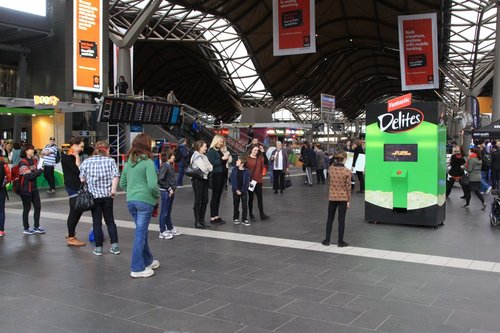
(288, 181)
(84, 199)
(193, 172)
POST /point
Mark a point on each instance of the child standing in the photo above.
(167, 184)
(240, 180)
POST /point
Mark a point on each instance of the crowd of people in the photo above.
(477, 172)
(148, 187)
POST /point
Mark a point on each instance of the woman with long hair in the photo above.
(255, 163)
(339, 197)
(200, 185)
(70, 163)
(102, 176)
(456, 172)
(217, 158)
(140, 181)
(473, 167)
(28, 173)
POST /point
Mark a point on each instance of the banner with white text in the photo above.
(418, 51)
(294, 29)
(87, 45)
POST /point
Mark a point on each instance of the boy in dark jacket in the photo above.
(240, 180)
(167, 184)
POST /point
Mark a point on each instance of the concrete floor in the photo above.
(209, 284)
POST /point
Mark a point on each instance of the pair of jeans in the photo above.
(278, 180)
(48, 173)
(332, 208)
(165, 211)
(73, 217)
(104, 207)
(243, 198)
(484, 181)
(28, 199)
(217, 188)
(180, 176)
(200, 188)
(256, 192)
(3, 197)
(473, 187)
(309, 179)
(141, 255)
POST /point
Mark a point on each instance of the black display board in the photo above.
(122, 110)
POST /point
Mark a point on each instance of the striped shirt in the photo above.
(98, 172)
(50, 159)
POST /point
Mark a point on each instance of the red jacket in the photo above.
(256, 167)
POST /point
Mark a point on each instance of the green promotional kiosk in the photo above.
(406, 164)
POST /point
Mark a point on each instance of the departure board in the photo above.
(122, 110)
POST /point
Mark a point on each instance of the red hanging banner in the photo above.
(418, 52)
(293, 27)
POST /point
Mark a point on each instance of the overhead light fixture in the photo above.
(9, 114)
(33, 115)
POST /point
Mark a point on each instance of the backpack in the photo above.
(17, 180)
(487, 160)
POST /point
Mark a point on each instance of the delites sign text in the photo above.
(400, 121)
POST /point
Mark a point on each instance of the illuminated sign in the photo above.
(45, 100)
(87, 45)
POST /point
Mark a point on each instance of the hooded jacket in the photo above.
(140, 181)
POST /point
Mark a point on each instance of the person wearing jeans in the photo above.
(183, 160)
(166, 182)
(102, 176)
(28, 190)
(140, 181)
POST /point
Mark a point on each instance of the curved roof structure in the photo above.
(357, 56)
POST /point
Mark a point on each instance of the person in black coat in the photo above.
(357, 149)
(308, 157)
(495, 166)
(456, 171)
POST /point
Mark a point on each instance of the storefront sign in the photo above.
(45, 100)
(400, 121)
(87, 45)
(399, 102)
(418, 51)
(293, 27)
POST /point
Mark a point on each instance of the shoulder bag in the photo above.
(84, 199)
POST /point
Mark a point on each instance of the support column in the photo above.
(496, 79)
(20, 121)
(124, 67)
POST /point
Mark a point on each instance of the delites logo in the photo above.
(401, 120)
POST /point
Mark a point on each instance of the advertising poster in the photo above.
(418, 51)
(87, 45)
(293, 27)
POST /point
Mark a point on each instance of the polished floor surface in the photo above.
(272, 276)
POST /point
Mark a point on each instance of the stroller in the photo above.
(495, 209)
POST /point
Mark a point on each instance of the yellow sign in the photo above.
(46, 100)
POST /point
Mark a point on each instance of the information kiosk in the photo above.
(406, 164)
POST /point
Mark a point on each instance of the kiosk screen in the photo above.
(400, 152)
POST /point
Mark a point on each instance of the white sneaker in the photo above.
(488, 190)
(168, 235)
(154, 265)
(175, 232)
(162, 235)
(144, 274)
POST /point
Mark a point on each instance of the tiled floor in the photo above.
(269, 277)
